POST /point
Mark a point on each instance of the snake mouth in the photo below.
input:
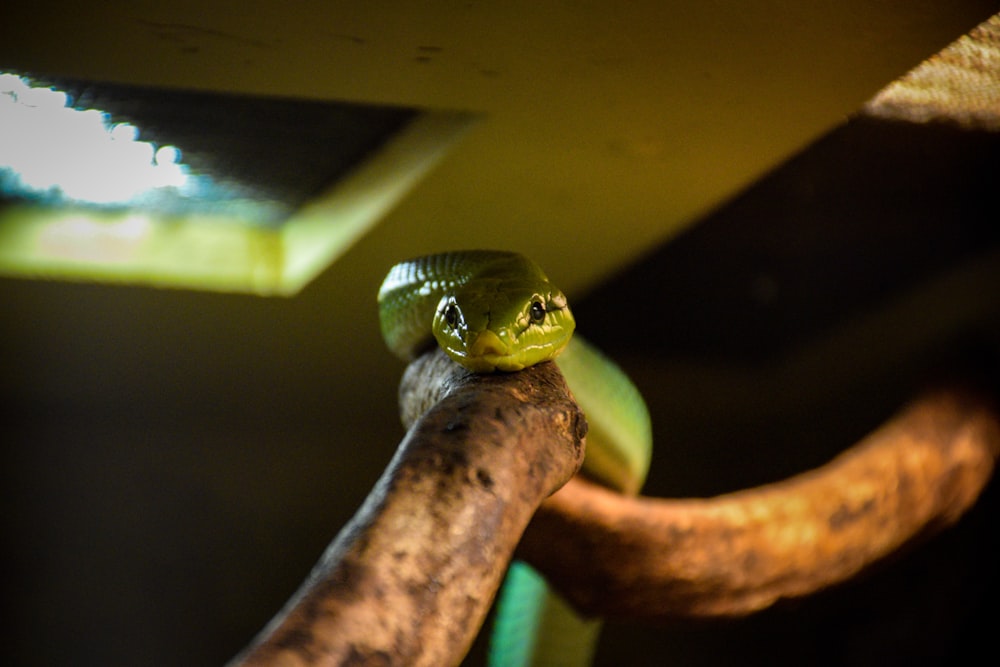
(488, 353)
(488, 344)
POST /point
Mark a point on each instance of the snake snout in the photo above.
(487, 344)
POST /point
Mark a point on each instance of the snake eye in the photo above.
(451, 315)
(536, 312)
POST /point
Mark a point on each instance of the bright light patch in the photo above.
(267, 191)
(53, 151)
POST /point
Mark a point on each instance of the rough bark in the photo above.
(410, 579)
(658, 559)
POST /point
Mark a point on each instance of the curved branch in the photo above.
(738, 553)
(410, 578)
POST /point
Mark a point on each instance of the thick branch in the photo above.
(737, 553)
(409, 580)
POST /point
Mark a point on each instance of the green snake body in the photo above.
(497, 311)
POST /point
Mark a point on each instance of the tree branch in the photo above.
(734, 554)
(410, 579)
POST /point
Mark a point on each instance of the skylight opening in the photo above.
(198, 190)
(58, 154)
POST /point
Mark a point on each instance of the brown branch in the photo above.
(409, 580)
(737, 553)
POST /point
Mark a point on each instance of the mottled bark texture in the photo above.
(658, 559)
(410, 579)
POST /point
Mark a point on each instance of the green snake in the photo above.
(496, 311)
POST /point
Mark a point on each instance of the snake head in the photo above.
(498, 326)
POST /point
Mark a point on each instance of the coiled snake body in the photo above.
(497, 311)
